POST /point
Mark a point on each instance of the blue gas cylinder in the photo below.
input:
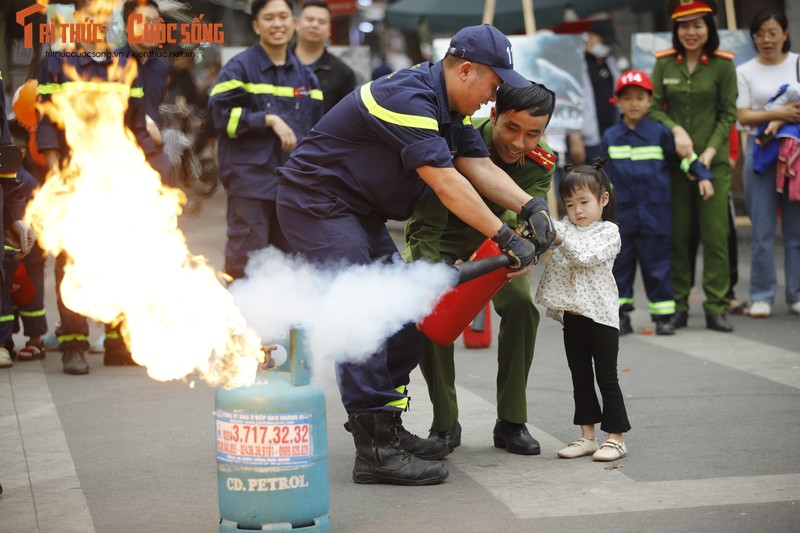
(272, 450)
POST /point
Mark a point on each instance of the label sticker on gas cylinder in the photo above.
(259, 439)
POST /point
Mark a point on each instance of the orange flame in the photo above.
(128, 261)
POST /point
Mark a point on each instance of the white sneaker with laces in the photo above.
(579, 448)
(5, 358)
(760, 310)
(611, 450)
(794, 309)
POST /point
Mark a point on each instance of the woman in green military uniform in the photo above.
(694, 89)
(513, 135)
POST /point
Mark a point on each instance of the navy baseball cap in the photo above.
(487, 45)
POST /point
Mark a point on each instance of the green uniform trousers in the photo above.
(713, 224)
(519, 320)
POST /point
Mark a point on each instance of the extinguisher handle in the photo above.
(470, 270)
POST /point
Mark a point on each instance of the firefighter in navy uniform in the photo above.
(150, 84)
(91, 62)
(513, 135)
(263, 102)
(694, 96)
(369, 160)
(18, 233)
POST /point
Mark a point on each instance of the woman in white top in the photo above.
(578, 289)
(759, 80)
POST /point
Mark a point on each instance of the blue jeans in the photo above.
(762, 201)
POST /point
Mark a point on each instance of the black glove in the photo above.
(521, 251)
(538, 224)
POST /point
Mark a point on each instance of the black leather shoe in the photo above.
(664, 326)
(74, 362)
(451, 437)
(680, 319)
(430, 449)
(515, 438)
(718, 322)
(625, 326)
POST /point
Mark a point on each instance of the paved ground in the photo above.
(713, 446)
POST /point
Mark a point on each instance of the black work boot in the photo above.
(74, 362)
(431, 448)
(625, 326)
(381, 460)
(665, 326)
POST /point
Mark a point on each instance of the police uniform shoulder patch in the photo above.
(666, 53)
(724, 54)
(542, 157)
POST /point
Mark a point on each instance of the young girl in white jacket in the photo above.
(578, 290)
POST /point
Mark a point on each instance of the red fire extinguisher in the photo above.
(458, 307)
(20, 286)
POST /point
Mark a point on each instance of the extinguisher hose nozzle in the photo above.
(470, 270)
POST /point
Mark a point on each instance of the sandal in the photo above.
(33, 351)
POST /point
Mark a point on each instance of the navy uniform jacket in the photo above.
(249, 87)
(638, 167)
(53, 77)
(152, 78)
(366, 150)
(12, 199)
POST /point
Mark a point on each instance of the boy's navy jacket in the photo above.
(638, 167)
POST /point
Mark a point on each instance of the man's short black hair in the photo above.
(258, 5)
(315, 3)
(536, 99)
(130, 6)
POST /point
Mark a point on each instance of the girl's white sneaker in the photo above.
(579, 448)
(611, 450)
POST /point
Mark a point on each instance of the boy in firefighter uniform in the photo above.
(264, 102)
(370, 159)
(513, 135)
(93, 63)
(639, 152)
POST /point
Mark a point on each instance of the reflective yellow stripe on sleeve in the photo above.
(233, 121)
(12, 175)
(265, 88)
(85, 86)
(400, 119)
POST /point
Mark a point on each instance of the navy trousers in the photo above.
(653, 253)
(252, 226)
(328, 231)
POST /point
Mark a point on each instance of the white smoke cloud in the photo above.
(348, 312)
